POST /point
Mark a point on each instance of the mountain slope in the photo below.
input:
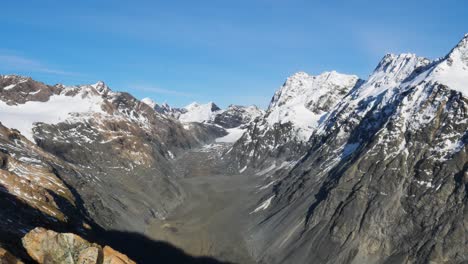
(385, 179)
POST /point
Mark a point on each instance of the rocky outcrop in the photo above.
(112, 256)
(46, 246)
(7, 258)
(18, 90)
(236, 116)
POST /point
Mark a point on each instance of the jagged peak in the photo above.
(391, 71)
(191, 105)
(299, 75)
(16, 77)
(327, 76)
(302, 84)
(101, 87)
(395, 63)
(460, 49)
(452, 70)
(196, 112)
(195, 105)
(464, 40)
(323, 75)
(148, 101)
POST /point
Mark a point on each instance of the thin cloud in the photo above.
(19, 63)
(157, 90)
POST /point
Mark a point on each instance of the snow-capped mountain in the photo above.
(209, 113)
(62, 103)
(164, 108)
(230, 123)
(200, 113)
(295, 111)
(386, 166)
(236, 116)
(304, 100)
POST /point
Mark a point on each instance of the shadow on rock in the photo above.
(145, 250)
(17, 218)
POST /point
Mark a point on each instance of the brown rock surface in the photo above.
(112, 256)
(47, 246)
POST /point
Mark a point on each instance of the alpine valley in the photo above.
(337, 169)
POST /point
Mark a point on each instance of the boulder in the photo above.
(47, 246)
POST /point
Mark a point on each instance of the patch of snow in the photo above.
(266, 170)
(9, 87)
(28, 160)
(243, 169)
(425, 183)
(56, 110)
(233, 135)
(267, 185)
(264, 205)
(171, 155)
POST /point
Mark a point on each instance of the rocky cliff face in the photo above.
(236, 116)
(385, 177)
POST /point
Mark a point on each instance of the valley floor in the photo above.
(215, 212)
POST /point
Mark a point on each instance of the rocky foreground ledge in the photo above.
(47, 246)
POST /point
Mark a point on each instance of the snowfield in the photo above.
(59, 107)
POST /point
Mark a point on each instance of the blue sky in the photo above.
(223, 51)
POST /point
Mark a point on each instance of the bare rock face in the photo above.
(18, 90)
(7, 258)
(236, 115)
(112, 256)
(46, 246)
